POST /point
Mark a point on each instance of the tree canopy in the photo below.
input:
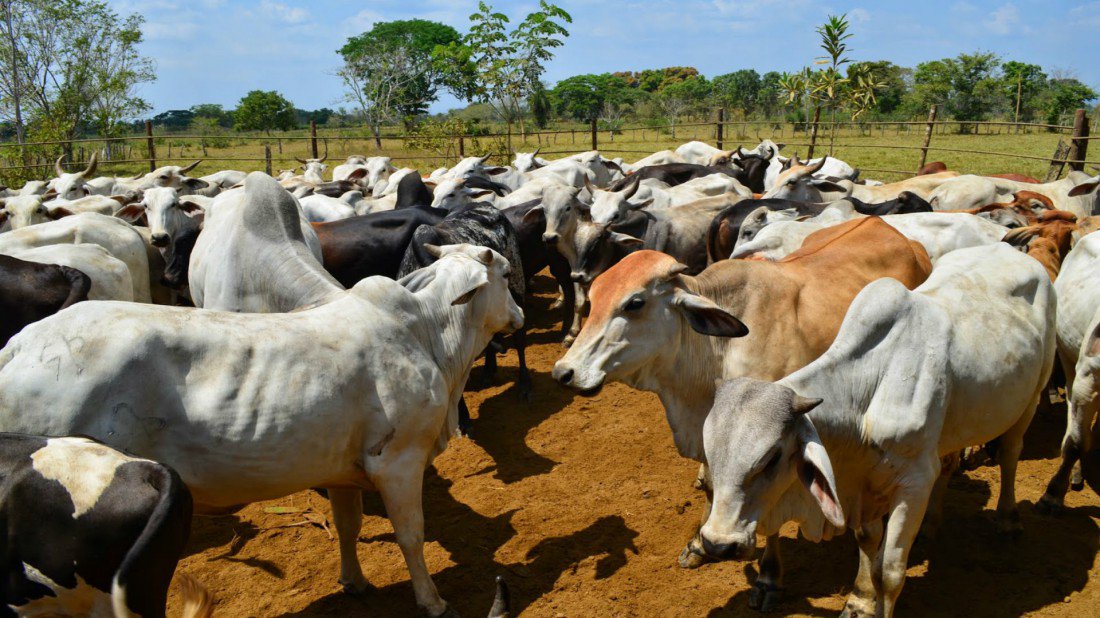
(264, 110)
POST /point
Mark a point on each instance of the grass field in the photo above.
(886, 152)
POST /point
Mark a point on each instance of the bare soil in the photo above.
(583, 505)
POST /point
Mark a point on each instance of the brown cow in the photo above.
(1048, 240)
(936, 167)
(644, 307)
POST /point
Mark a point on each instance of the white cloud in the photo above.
(1004, 20)
(282, 12)
(859, 15)
(173, 31)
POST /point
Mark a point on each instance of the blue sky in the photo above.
(214, 51)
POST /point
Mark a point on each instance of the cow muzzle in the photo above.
(567, 376)
(726, 551)
(550, 238)
(160, 240)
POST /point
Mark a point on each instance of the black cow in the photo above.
(373, 244)
(904, 203)
(726, 226)
(484, 226)
(529, 221)
(30, 291)
(87, 529)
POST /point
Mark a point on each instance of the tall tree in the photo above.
(678, 98)
(583, 97)
(968, 86)
(266, 111)
(389, 70)
(1023, 82)
(739, 89)
(1064, 95)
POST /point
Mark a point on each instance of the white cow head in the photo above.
(472, 276)
(799, 184)
(378, 170)
(528, 161)
(72, 186)
(23, 210)
(313, 169)
(561, 207)
(611, 206)
(451, 193)
(759, 446)
(169, 216)
(640, 308)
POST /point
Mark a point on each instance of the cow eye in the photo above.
(634, 304)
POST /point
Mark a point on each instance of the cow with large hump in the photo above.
(30, 291)
(206, 392)
(855, 439)
(72, 185)
(89, 531)
(645, 305)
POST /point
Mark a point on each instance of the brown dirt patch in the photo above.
(583, 505)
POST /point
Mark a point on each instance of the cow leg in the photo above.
(490, 371)
(934, 516)
(347, 516)
(768, 587)
(464, 422)
(1074, 445)
(519, 338)
(902, 526)
(861, 603)
(559, 268)
(693, 556)
(1008, 455)
(402, 495)
(580, 300)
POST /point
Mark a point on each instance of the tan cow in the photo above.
(656, 329)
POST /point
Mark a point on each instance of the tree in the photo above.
(174, 119)
(540, 106)
(214, 114)
(968, 86)
(508, 64)
(678, 98)
(1022, 83)
(1064, 95)
(739, 89)
(768, 96)
(70, 65)
(890, 77)
(583, 97)
(261, 110)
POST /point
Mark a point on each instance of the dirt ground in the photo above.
(583, 505)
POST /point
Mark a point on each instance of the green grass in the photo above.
(876, 149)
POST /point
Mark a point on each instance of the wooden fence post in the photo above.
(813, 132)
(1080, 143)
(267, 159)
(595, 141)
(718, 127)
(461, 147)
(927, 137)
(1058, 161)
(313, 137)
(150, 147)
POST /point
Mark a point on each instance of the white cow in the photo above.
(653, 195)
(250, 407)
(72, 185)
(939, 232)
(110, 277)
(174, 176)
(700, 153)
(118, 238)
(855, 438)
(322, 208)
(1076, 193)
(258, 254)
(1078, 288)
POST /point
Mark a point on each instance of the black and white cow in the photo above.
(88, 531)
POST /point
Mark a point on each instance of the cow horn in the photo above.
(57, 165)
(326, 152)
(675, 269)
(740, 152)
(588, 185)
(820, 164)
(433, 250)
(793, 161)
(632, 188)
(93, 162)
(184, 170)
(486, 257)
(485, 158)
(801, 405)
(536, 153)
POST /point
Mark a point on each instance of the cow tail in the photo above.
(79, 285)
(197, 600)
(145, 572)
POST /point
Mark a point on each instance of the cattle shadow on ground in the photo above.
(607, 539)
(504, 420)
(1044, 437)
(208, 532)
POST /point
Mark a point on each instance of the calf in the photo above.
(30, 291)
(855, 438)
(88, 530)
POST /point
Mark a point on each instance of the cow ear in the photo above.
(195, 183)
(533, 214)
(476, 282)
(708, 318)
(191, 208)
(480, 193)
(625, 240)
(815, 470)
(59, 212)
(130, 213)
(1082, 189)
(357, 175)
(828, 185)
(639, 205)
(494, 171)
(3, 217)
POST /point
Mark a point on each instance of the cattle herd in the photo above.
(829, 349)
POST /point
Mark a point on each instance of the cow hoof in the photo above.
(558, 303)
(1076, 481)
(764, 597)
(1009, 525)
(1048, 505)
(568, 341)
(693, 557)
(356, 589)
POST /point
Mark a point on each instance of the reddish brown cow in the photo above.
(1048, 240)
